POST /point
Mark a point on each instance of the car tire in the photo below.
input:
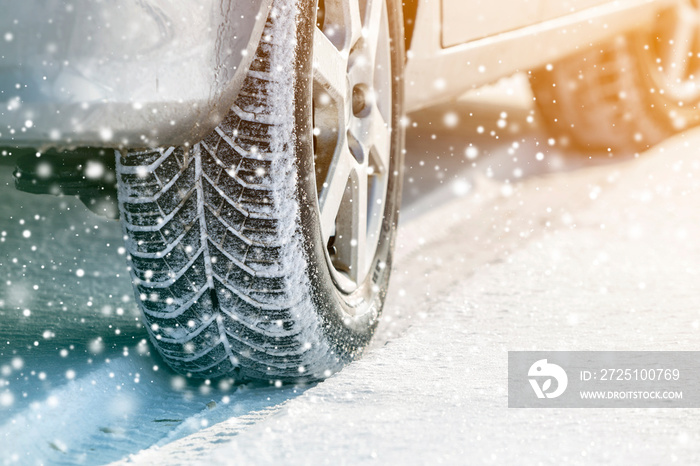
(628, 93)
(264, 251)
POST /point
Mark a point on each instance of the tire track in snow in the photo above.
(123, 407)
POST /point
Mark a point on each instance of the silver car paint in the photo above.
(121, 73)
(165, 72)
(485, 18)
(435, 73)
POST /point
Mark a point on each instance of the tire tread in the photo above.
(206, 234)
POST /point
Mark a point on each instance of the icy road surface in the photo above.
(508, 244)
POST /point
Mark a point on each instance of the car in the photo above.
(259, 143)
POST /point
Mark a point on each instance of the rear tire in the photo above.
(234, 269)
(628, 93)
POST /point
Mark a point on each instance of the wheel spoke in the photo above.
(372, 24)
(331, 196)
(380, 135)
(330, 67)
(372, 135)
(353, 22)
(352, 134)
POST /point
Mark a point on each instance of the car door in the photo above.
(556, 8)
(463, 21)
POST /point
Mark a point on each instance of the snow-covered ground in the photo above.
(510, 244)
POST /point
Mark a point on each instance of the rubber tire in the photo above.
(229, 267)
(601, 99)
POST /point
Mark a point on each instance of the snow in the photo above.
(118, 408)
(545, 277)
(543, 265)
(284, 178)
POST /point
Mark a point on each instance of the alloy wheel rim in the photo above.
(352, 105)
(675, 52)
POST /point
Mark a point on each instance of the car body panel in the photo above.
(556, 8)
(129, 73)
(435, 73)
(139, 73)
(464, 21)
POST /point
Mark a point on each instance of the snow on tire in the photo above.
(229, 262)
